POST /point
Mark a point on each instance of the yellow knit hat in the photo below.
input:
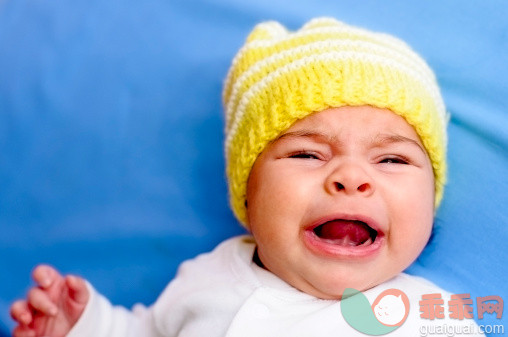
(279, 77)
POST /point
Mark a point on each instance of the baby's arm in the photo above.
(52, 307)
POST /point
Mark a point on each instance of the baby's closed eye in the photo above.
(304, 155)
(394, 160)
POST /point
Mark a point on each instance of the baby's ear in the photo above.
(267, 31)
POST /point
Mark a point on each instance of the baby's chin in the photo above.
(332, 288)
(333, 293)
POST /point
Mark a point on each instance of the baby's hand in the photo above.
(52, 307)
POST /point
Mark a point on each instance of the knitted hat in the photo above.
(279, 77)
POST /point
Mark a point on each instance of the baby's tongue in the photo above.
(344, 232)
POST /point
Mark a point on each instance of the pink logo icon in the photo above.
(391, 307)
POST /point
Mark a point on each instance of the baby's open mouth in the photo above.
(346, 233)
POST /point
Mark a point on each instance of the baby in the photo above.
(335, 150)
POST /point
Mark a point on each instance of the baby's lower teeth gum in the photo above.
(347, 242)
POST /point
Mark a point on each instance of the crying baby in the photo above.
(335, 144)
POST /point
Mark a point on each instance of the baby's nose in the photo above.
(349, 178)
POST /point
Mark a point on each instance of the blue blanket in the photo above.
(111, 160)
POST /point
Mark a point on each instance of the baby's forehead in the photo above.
(351, 119)
(367, 126)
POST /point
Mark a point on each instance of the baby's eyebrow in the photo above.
(387, 139)
(322, 137)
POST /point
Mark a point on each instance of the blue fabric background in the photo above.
(111, 162)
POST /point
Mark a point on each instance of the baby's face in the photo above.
(343, 199)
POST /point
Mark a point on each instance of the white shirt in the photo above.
(223, 293)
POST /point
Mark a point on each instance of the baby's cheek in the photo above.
(409, 240)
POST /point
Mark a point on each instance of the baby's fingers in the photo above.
(45, 276)
(78, 291)
(20, 312)
(23, 331)
(39, 300)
